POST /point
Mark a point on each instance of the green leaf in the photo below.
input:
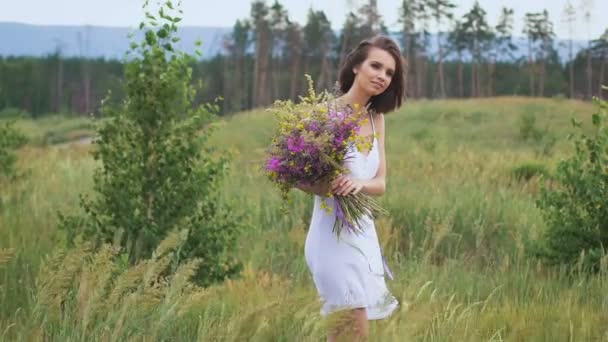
(169, 4)
(150, 38)
(162, 33)
(596, 119)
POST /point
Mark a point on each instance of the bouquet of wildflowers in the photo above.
(311, 146)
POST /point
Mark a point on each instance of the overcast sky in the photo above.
(225, 12)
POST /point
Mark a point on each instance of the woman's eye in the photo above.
(375, 66)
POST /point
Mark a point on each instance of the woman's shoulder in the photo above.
(378, 119)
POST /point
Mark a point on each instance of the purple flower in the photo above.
(273, 164)
(314, 127)
(295, 144)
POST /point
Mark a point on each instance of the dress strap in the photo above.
(371, 120)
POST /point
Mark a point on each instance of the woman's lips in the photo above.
(378, 85)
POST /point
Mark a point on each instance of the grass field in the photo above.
(462, 217)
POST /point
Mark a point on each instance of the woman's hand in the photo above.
(319, 189)
(344, 185)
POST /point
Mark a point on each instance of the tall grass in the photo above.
(456, 240)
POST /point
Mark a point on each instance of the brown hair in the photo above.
(393, 96)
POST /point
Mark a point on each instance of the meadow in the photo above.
(462, 183)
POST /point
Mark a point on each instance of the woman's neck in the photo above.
(356, 96)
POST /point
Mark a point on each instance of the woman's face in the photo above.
(374, 75)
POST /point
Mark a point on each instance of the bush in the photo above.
(528, 129)
(158, 172)
(576, 209)
(10, 139)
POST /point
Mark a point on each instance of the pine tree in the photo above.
(569, 17)
(478, 36)
(318, 40)
(440, 10)
(502, 44)
(263, 42)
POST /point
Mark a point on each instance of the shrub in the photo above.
(158, 172)
(576, 209)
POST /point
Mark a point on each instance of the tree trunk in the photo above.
(460, 77)
(541, 85)
(441, 80)
(479, 82)
(59, 100)
(295, 75)
(571, 71)
(589, 74)
(491, 68)
(473, 78)
(264, 87)
(423, 77)
(601, 83)
(412, 74)
(531, 67)
(322, 79)
(343, 49)
(256, 70)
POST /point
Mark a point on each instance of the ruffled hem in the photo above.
(377, 311)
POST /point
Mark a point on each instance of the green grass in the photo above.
(56, 129)
(457, 238)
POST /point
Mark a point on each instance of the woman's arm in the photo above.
(376, 186)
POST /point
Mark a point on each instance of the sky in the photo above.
(224, 13)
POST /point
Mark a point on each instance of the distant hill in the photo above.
(93, 41)
(111, 42)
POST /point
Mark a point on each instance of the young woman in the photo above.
(348, 272)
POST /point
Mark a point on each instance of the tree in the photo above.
(83, 44)
(440, 10)
(586, 7)
(478, 36)
(293, 55)
(414, 19)
(569, 17)
(237, 46)
(409, 39)
(544, 32)
(279, 22)
(457, 42)
(599, 48)
(502, 44)
(263, 42)
(349, 35)
(371, 19)
(157, 173)
(318, 39)
(535, 29)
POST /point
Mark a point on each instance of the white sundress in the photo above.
(348, 271)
